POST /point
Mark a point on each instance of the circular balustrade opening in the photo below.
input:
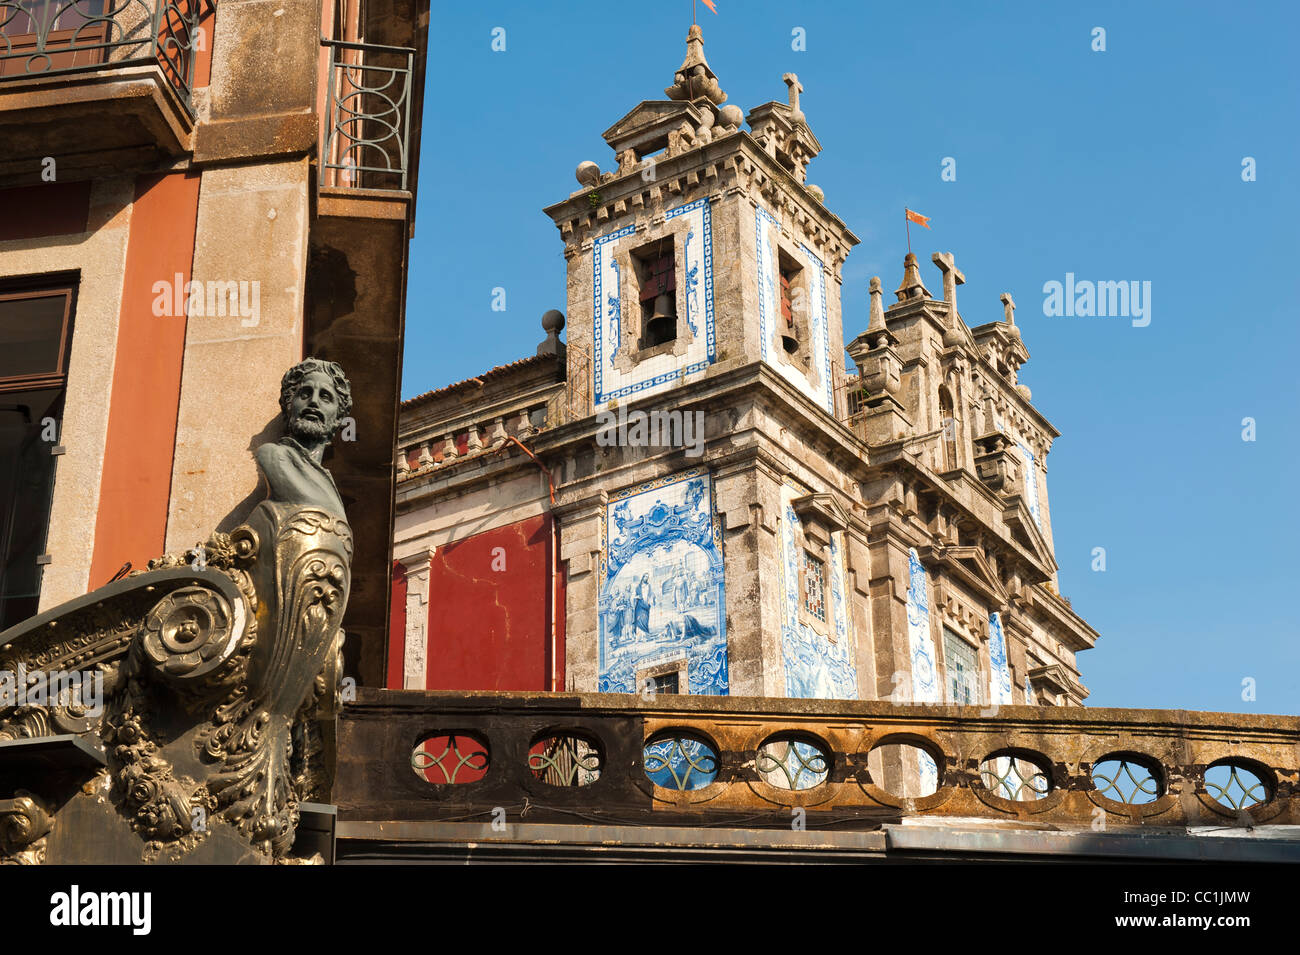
(565, 759)
(1128, 779)
(1016, 776)
(903, 770)
(1235, 784)
(446, 759)
(680, 761)
(792, 762)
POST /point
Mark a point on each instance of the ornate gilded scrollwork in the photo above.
(212, 665)
(191, 631)
(24, 822)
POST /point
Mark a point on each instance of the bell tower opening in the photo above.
(656, 273)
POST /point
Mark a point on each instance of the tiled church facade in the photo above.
(880, 532)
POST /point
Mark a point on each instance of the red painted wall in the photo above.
(397, 628)
(131, 523)
(490, 611)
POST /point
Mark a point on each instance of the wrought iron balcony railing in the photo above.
(368, 119)
(67, 36)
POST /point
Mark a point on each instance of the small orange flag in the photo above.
(709, 4)
(917, 218)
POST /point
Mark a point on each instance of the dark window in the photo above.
(35, 331)
(948, 421)
(793, 324)
(657, 274)
(666, 683)
(814, 586)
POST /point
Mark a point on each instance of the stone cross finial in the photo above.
(1008, 308)
(792, 81)
(952, 276)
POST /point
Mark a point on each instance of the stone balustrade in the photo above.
(716, 761)
(462, 440)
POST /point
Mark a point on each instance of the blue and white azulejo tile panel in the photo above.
(1031, 483)
(612, 309)
(662, 594)
(925, 677)
(815, 666)
(1000, 676)
(766, 229)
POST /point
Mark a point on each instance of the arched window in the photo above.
(948, 422)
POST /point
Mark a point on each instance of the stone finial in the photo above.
(877, 319)
(587, 174)
(792, 81)
(816, 192)
(731, 115)
(694, 80)
(912, 286)
(552, 324)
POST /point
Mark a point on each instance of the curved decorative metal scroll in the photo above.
(681, 762)
(450, 759)
(49, 36)
(366, 145)
(790, 763)
(1014, 777)
(1235, 785)
(565, 760)
(1127, 780)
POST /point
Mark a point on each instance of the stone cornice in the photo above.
(694, 172)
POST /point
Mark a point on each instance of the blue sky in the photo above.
(1117, 165)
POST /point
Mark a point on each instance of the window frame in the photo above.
(66, 284)
(952, 638)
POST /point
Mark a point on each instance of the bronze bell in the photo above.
(662, 326)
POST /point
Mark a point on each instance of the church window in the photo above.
(792, 322)
(814, 586)
(948, 422)
(656, 273)
(961, 669)
(665, 683)
(35, 332)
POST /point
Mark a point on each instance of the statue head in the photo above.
(314, 397)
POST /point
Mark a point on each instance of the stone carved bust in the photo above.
(314, 397)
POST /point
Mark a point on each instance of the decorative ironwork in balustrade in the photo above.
(66, 36)
(367, 140)
(788, 763)
(565, 760)
(1127, 779)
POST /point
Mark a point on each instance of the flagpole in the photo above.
(907, 224)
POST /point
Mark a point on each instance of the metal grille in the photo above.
(367, 142)
(62, 36)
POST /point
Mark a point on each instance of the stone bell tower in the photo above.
(704, 249)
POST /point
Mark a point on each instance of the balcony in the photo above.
(365, 149)
(539, 777)
(97, 83)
